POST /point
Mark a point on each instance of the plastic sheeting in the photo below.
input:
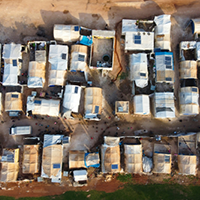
(72, 97)
(139, 41)
(147, 164)
(196, 25)
(164, 67)
(188, 69)
(164, 105)
(133, 158)
(110, 155)
(129, 25)
(30, 164)
(58, 59)
(93, 103)
(52, 157)
(76, 159)
(162, 32)
(13, 101)
(138, 69)
(187, 164)
(162, 163)
(38, 106)
(78, 57)
(66, 33)
(141, 104)
(80, 175)
(11, 56)
(92, 160)
(86, 40)
(36, 73)
(189, 101)
(52, 160)
(11, 51)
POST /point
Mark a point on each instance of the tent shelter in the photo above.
(78, 59)
(187, 164)
(195, 25)
(52, 157)
(164, 67)
(189, 101)
(40, 106)
(110, 155)
(37, 64)
(12, 64)
(71, 99)
(187, 50)
(138, 69)
(9, 165)
(162, 163)
(76, 159)
(164, 105)
(188, 69)
(141, 104)
(133, 158)
(13, 101)
(139, 41)
(30, 164)
(36, 73)
(80, 175)
(66, 33)
(121, 107)
(163, 32)
(93, 103)
(58, 59)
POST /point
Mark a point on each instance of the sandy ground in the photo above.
(22, 19)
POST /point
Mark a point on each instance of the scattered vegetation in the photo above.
(124, 177)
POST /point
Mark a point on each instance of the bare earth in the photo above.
(21, 20)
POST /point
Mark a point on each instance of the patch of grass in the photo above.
(130, 191)
(166, 180)
(124, 177)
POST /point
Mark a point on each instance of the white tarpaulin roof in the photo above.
(198, 51)
(12, 51)
(139, 41)
(80, 175)
(141, 104)
(133, 158)
(110, 155)
(138, 69)
(72, 97)
(162, 163)
(38, 106)
(129, 25)
(164, 67)
(164, 105)
(66, 33)
(36, 72)
(188, 69)
(162, 32)
(58, 59)
(10, 76)
(93, 102)
(78, 57)
(11, 56)
(187, 164)
(13, 101)
(189, 101)
(52, 157)
(196, 25)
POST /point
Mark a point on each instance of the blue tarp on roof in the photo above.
(85, 40)
(85, 158)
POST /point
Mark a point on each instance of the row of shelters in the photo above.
(117, 155)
